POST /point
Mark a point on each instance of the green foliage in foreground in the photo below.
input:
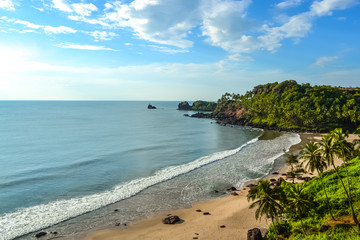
(295, 106)
(317, 214)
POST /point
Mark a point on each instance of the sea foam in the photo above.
(27, 220)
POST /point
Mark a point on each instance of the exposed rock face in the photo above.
(254, 234)
(151, 106)
(171, 220)
(184, 106)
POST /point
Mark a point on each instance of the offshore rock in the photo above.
(151, 106)
(184, 106)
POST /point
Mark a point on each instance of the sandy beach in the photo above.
(229, 218)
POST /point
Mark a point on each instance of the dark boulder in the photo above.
(232, 189)
(275, 173)
(254, 234)
(171, 220)
(184, 106)
(324, 228)
(206, 213)
(151, 106)
(40, 234)
(234, 194)
(273, 180)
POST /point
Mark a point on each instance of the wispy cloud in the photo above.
(59, 30)
(7, 5)
(102, 35)
(323, 61)
(168, 50)
(84, 47)
(289, 3)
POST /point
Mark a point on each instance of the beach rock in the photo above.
(116, 210)
(275, 173)
(306, 179)
(254, 234)
(231, 189)
(196, 234)
(184, 106)
(171, 220)
(273, 180)
(40, 234)
(198, 210)
(324, 228)
(234, 194)
(250, 185)
(195, 238)
(284, 174)
(206, 213)
(151, 107)
(222, 226)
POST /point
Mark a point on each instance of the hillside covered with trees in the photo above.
(292, 106)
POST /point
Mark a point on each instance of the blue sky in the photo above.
(173, 49)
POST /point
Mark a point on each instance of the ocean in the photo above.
(76, 166)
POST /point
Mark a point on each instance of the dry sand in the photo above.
(231, 211)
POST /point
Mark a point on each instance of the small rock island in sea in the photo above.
(151, 106)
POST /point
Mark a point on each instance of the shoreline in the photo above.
(230, 216)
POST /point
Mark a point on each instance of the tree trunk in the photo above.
(327, 198)
(349, 199)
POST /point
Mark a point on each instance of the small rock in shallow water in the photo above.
(40, 234)
(116, 210)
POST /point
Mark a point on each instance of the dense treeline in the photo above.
(326, 207)
(290, 105)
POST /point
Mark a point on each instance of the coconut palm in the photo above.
(295, 167)
(265, 199)
(314, 162)
(329, 149)
(297, 200)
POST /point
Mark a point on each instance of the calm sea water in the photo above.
(66, 166)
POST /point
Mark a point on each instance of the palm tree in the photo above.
(295, 167)
(297, 200)
(266, 200)
(329, 148)
(313, 161)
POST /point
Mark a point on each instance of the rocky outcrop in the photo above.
(254, 234)
(40, 234)
(184, 106)
(151, 106)
(171, 220)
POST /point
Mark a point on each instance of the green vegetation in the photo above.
(290, 105)
(203, 106)
(327, 206)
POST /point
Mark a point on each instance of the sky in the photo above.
(173, 49)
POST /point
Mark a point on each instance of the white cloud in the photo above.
(168, 50)
(84, 9)
(83, 47)
(289, 3)
(323, 61)
(128, 44)
(59, 30)
(325, 7)
(102, 35)
(7, 5)
(62, 5)
(29, 24)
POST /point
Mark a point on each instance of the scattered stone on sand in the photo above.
(284, 174)
(196, 234)
(171, 220)
(275, 173)
(273, 180)
(234, 193)
(195, 238)
(198, 210)
(169, 214)
(206, 213)
(222, 226)
(40, 234)
(250, 185)
(254, 234)
(125, 224)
